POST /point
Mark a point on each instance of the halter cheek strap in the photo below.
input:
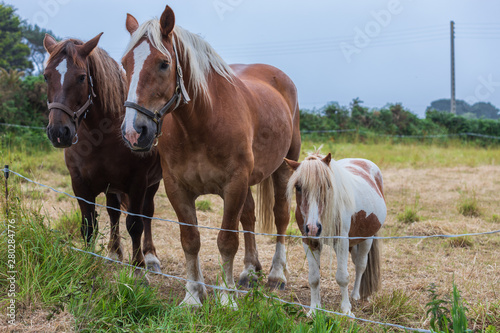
(180, 93)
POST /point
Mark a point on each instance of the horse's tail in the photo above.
(265, 205)
(370, 281)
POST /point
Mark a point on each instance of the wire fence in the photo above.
(342, 131)
(7, 171)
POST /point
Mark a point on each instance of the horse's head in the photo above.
(154, 78)
(69, 87)
(312, 185)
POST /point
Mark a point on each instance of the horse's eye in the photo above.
(82, 78)
(164, 65)
(45, 77)
(298, 188)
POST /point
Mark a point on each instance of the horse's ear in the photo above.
(294, 165)
(167, 21)
(85, 49)
(327, 159)
(49, 43)
(131, 24)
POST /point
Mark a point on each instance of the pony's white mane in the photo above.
(330, 185)
(193, 49)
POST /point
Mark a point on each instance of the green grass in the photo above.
(108, 298)
(407, 155)
(69, 224)
(397, 307)
(468, 205)
(464, 241)
(409, 215)
(204, 205)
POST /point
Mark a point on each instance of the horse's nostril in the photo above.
(319, 229)
(307, 230)
(65, 132)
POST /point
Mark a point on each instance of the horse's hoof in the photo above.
(228, 301)
(276, 284)
(154, 267)
(248, 282)
(114, 256)
(152, 263)
(191, 302)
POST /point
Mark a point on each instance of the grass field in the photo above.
(431, 188)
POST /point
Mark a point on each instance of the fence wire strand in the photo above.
(244, 231)
(220, 288)
(247, 231)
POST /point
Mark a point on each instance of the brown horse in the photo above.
(86, 89)
(343, 198)
(241, 122)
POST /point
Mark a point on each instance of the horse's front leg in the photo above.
(135, 226)
(313, 254)
(183, 202)
(342, 276)
(114, 246)
(234, 195)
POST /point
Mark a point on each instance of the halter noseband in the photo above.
(180, 93)
(76, 116)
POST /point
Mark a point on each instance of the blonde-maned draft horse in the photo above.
(219, 129)
(86, 89)
(340, 198)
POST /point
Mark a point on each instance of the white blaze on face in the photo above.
(313, 218)
(62, 68)
(141, 53)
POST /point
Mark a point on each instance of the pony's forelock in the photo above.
(329, 185)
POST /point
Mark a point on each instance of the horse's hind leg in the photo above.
(277, 278)
(114, 246)
(359, 254)
(152, 262)
(251, 260)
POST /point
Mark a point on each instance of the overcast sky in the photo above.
(382, 51)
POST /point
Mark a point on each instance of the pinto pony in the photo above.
(85, 93)
(225, 128)
(340, 198)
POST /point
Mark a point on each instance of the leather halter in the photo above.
(76, 116)
(180, 93)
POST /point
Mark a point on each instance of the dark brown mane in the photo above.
(108, 78)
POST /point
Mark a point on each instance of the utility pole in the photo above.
(453, 105)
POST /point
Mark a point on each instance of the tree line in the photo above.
(393, 119)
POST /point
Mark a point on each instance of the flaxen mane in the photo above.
(107, 76)
(193, 50)
(329, 185)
